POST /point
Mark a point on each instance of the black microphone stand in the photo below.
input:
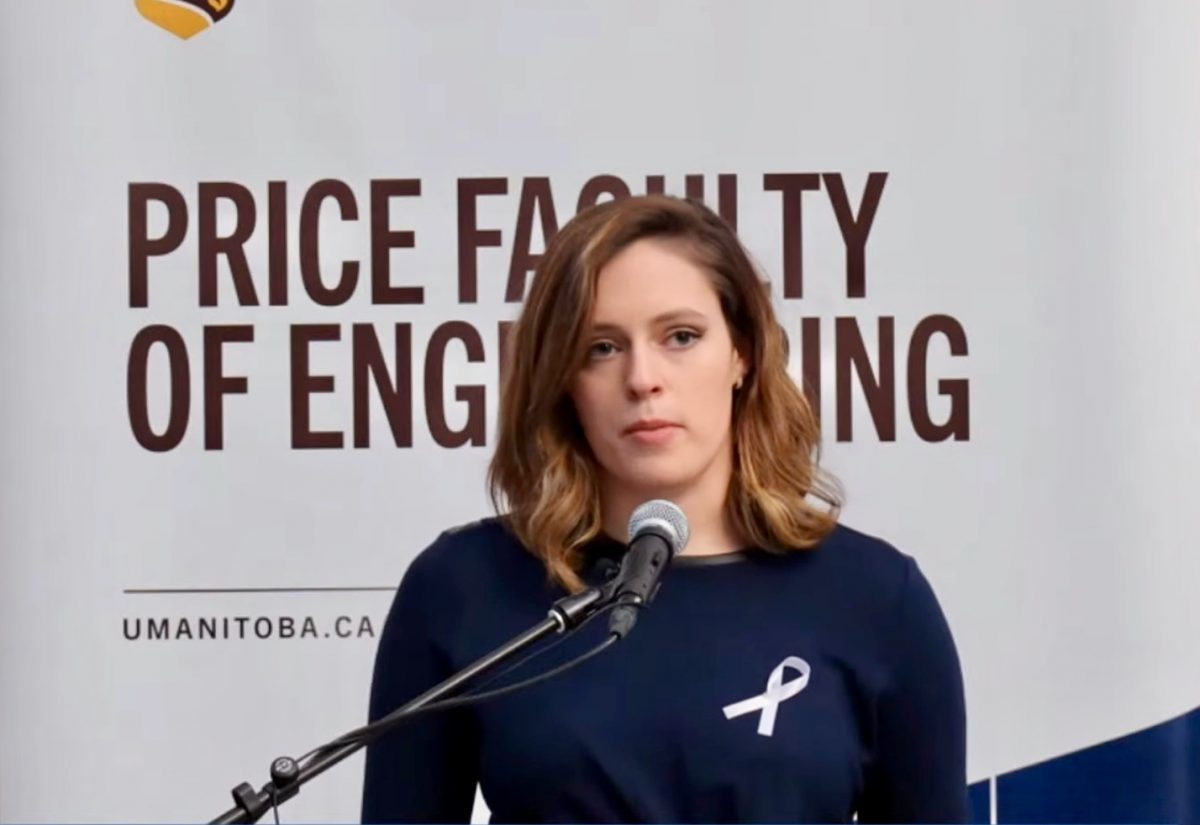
(287, 775)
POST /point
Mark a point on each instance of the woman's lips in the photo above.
(657, 435)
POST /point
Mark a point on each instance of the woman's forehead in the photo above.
(646, 282)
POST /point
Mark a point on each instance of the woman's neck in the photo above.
(710, 529)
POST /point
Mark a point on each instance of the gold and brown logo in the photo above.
(185, 18)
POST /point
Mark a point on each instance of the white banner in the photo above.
(255, 283)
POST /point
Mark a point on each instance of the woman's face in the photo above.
(659, 350)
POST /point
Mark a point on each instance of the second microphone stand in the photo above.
(287, 775)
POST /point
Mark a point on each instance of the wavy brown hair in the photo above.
(543, 468)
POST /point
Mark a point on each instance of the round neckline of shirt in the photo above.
(610, 547)
(712, 559)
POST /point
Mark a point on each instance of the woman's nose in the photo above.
(644, 377)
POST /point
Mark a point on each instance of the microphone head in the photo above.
(664, 515)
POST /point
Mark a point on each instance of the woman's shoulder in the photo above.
(469, 551)
(869, 555)
(870, 569)
(444, 580)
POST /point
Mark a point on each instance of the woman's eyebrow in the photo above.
(663, 318)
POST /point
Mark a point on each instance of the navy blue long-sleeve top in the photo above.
(804, 687)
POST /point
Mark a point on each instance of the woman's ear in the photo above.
(740, 370)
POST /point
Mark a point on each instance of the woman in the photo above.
(790, 669)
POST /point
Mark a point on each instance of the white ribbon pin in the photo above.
(777, 691)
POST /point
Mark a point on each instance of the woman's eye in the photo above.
(601, 349)
(687, 336)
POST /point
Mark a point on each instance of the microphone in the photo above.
(658, 531)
